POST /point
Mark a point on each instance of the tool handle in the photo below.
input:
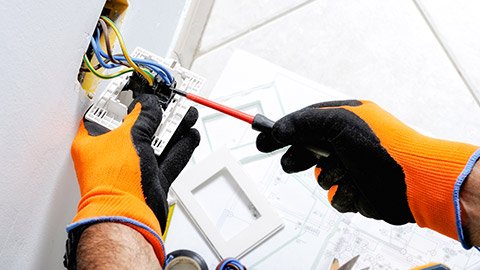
(432, 266)
(263, 124)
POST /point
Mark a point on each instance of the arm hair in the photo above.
(110, 245)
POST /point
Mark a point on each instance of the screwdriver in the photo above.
(259, 122)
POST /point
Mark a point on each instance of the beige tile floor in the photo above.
(383, 51)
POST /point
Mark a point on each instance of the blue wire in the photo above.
(148, 63)
(151, 64)
(159, 69)
(231, 261)
(154, 68)
(95, 45)
(168, 260)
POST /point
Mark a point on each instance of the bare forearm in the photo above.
(470, 205)
(109, 245)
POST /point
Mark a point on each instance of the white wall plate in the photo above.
(219, 166)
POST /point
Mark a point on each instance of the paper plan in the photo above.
(314, 232)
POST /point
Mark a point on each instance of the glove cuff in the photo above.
(434, 169)
(123, 208)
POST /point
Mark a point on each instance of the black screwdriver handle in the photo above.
(263, 124)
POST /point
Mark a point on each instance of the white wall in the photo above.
(42, 43)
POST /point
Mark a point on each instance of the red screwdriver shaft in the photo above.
(259, 122)
(217, 106)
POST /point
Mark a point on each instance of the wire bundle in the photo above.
(230, 264)
(110, 61)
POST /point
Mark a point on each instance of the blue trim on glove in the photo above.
(456, 200)
(117, 219)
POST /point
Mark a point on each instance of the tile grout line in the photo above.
(260, 25)
(447, 51)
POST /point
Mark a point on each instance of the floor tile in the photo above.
(230, 18)
(457, 24)
(378, 50)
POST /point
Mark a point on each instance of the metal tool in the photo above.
(347, 266)
(259, 122)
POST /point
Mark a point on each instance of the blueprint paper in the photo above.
(314, 232)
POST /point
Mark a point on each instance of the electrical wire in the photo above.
(84, 69)
(109, 61)
(108, 46)
(95, 43)
(91, 69)
(98, 66)
(152, 64)
(230, 264)
(124, 50)
(111, 76)
(159, 69)
(169, 219)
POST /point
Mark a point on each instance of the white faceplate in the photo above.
(265, 224)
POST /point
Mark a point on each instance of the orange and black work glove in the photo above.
(120, 178)
(378, 166)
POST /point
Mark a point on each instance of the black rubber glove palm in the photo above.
(170, 163)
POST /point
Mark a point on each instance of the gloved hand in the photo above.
(378, 166)
(120, 178)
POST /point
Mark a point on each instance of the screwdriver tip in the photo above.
(180, 92)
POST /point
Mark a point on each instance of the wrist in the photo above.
(114, 245)
(122, 208)
(469, 199)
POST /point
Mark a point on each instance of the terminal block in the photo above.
(111, 106)
(139, 86)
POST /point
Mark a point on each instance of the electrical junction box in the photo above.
(115, 10)
(111, 106)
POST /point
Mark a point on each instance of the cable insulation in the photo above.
(108, 46)
(124, 50)
(111, 76)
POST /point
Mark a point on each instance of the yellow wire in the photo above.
(111, 76)
(169, 219)
(124, 50)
